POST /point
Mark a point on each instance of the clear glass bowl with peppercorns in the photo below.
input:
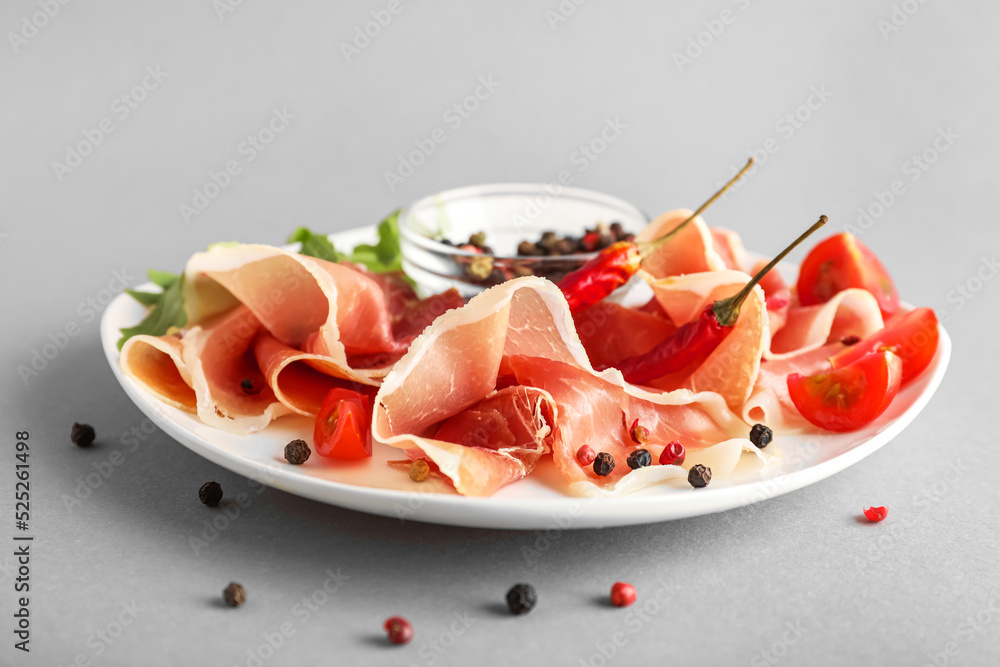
(475, 237)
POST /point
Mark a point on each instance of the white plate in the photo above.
(533, 503)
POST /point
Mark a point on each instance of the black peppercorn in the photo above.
(250, 387)
(699, 476)
(761, 436)
(234, 595)
(604, 464)
(210, 493)
(82, 435)
(851, 340)
(521, 598)
(640, 458)
(297, 452)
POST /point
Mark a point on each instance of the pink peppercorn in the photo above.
(622, 594)
(586, 455)
(398, 630)
(673, 454)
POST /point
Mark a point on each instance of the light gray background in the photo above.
(735, 583)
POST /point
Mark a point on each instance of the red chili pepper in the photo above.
(876, 514)
(615, 265)
(695, 340)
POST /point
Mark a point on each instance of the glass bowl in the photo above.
(508, 213)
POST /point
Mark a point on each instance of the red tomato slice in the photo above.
(912, 336)
(343, 426)
(850, 397)
(843, 261)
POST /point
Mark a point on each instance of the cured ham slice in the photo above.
(728, 245)
(520, 335)
(155, 363)
(691, 251)
(333, 310)
(295, 326)
(731, 369)
(611, 332)
(770, 403)
(777, 296)
(850, 312)
(231, 391)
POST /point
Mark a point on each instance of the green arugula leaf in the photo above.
(386, 255)
(166, 307)
(315, 245)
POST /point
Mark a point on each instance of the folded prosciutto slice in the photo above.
(520, 336)
(693, 250)
(731, 369)
(272, 331)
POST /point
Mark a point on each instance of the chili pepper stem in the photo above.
(727, 310)
(645, 249)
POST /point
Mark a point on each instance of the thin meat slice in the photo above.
(728, 245)
(692, 250)
(611, 332)
(852, 312)
(777, 296)
(520, 335)
(337, 311)
(298, 379)
(155, 364)
(770, 404)
(731, 369)
(232, 393)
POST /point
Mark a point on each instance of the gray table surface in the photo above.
(793, 580)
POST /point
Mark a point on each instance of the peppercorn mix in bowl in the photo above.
(475, 237)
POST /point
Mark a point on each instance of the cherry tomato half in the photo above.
(843, 261)
(850, 397)
(343, 426)
(912, 336)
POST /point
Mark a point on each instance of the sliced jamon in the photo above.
(691, 251)
(728, 245)
(523, 331)
(770, 403)
(611, 332)
(333, 310)
(731, 369)
(155, 364)
(232, 393)
(852, 312)
(777, 296)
